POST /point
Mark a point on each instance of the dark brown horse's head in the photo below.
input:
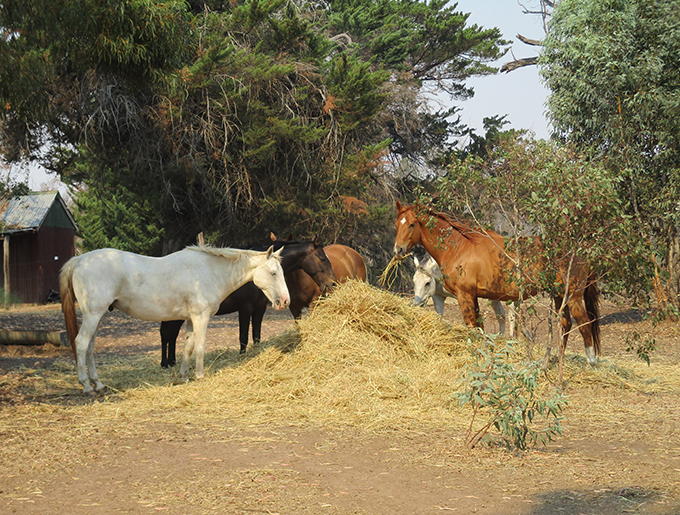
(317, 265)
(408, 230)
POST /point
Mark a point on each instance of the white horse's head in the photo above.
(269, 278)
(425, 280)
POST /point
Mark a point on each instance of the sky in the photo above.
(519, 95)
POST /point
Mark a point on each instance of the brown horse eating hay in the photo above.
(475, 264)
(347, 263)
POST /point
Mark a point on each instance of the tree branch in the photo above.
(519, 63)
(533, 42)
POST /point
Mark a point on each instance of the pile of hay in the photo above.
(364, 358)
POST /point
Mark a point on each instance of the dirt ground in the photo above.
(631, 464)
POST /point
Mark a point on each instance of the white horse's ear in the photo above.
(270, 251)
(278, 252)
(415, 260)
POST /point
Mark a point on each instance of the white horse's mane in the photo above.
(225, 252)
(429, 266)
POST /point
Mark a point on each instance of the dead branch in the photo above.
(519, 63)
(526, 40)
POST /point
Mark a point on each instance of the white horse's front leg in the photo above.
(438, 301)
(188, 349)
(200, 330)
(497, 307)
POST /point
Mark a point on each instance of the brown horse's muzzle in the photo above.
(328, 288)
(400, 250)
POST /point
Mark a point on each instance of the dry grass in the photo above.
(364, 358)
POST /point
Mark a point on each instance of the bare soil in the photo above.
(620, 452)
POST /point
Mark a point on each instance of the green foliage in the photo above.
(123, 221)
(234, 119)
(614, 74)
(642, 345)
(507, 396)
(527, 187)
(10, 300)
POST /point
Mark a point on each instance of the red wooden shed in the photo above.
(38, 234)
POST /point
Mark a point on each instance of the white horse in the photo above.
(189, 285)
(427, 283)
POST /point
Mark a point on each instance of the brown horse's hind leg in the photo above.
(565, 323)
(580, 314)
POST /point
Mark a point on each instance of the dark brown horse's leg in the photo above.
(169, 332)
(258, 315)
(243, 326)
(580, 313)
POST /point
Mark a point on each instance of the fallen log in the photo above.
(10, 337)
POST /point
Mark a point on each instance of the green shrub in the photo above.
(507, 396)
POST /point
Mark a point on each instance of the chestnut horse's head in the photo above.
(408, 230)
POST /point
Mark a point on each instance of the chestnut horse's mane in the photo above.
(461, 227)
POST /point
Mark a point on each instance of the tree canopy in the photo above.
(233, 118)
(613, 69)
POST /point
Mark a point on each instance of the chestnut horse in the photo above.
(251, 302)
(347, 264)
(474, 264)
(429, 284)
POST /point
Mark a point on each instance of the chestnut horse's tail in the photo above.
(591, 296)
(68, 303)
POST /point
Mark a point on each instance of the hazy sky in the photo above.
(519, 94)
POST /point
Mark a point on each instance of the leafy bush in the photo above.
(507, 395)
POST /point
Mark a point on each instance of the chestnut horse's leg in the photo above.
(580, 314)
(565, 322)
(469, 306)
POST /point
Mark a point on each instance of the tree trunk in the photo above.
(8, 337)
(673, 286)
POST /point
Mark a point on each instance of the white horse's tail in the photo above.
(68, 304)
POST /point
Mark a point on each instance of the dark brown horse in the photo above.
(347, 264)
(307, 257)
(475, 264)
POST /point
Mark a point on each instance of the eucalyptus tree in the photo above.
(614, 75)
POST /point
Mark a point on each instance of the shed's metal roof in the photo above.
(28, 212)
